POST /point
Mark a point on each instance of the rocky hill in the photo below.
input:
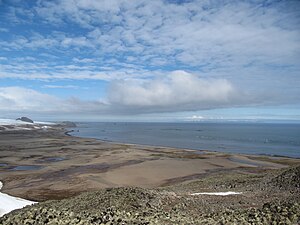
(288, 180)
(175, 205)
(25, 119)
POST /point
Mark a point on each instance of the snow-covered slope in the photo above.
(11, 125)
(19, 122)
(12, 122)
(9, 203)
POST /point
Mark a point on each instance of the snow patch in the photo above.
(12, 122)
(218, 193)
(15, 125)
(44, 123)
(9, 203)
(19, 122)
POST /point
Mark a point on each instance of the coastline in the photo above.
(51, 164)
(196, 151)
(256, 138)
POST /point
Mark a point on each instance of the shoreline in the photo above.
(53, 164)
(196, 151)
(280, 142)
(190, 150)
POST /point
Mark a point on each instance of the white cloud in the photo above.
(84, 60)
(62, 86)
(195, 33)
(18, 99)
(178, 91)
(4, 30)
(195, 118)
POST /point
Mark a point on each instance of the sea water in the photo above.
(248, 138)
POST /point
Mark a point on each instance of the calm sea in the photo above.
(250, 138)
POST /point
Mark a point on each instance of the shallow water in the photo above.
(245, 161)
(27, 167)
(248, 138)
(51, 159)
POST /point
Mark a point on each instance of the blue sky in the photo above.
(150, 60)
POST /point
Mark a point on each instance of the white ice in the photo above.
(9, 203)
(218, 193)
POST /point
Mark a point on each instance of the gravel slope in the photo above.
(268, 198)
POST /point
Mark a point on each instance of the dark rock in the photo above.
(25, 119)
(290, 179)
(131, 205)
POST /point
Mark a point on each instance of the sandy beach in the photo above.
(40, 165)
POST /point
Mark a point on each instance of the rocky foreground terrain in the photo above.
(268, 197)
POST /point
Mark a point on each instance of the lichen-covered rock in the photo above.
(128, 205)
(288, 180)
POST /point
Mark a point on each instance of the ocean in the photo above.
(249, 138)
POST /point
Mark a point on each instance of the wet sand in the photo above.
(48, 164)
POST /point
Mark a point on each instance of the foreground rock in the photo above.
(140, 206)
(174, 205)
(288, 180)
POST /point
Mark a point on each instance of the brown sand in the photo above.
(63, 165)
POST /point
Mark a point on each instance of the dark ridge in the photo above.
(25, 119)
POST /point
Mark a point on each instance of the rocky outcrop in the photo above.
(175, 205)
(288, 180)
(25, 119)
(145, 206)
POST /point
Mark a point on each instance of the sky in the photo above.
(159, 60)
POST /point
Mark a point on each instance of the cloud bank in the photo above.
(178, 91)
(117, 38)
(24, 100)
